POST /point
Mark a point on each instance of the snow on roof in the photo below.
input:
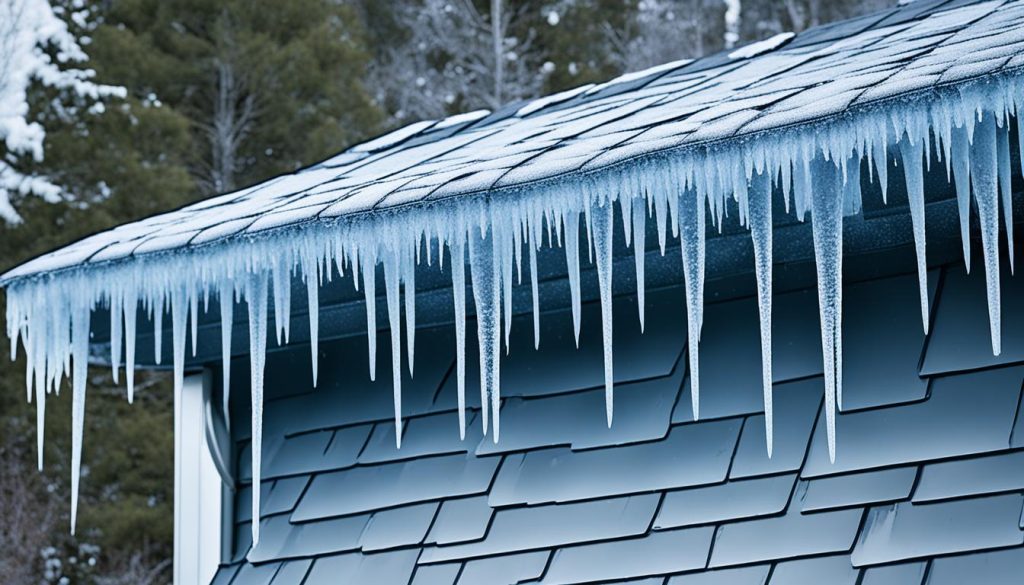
(755, 49)
(822, 72)
(678, 144)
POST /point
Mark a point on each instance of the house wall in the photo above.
(927, 486)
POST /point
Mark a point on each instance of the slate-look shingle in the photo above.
(923, 486)
(926, 488)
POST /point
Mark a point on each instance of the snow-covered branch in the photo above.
(36, 45)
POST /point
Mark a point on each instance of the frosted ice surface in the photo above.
(755, 49)
(816, 165)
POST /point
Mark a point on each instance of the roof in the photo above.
(838, 71)
(928, 478)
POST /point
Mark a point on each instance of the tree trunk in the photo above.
(498, 39)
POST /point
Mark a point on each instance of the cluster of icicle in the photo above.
(815, 169)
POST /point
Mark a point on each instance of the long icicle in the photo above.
(1005, 186)
(486, 275)
(409, 283)
(256, 291)
(571, 221)
(226, 295)
(984, 177)
(116, 334)
(535, 280)
(79, 353)
(692, 224)
(602, 217)
(130, 308)
(312, 274)
(759, 215)
(458, 267)
(913, 172)
(961, 164)
(640, 253)
(827, 232)
(369, 270)
(391, 290)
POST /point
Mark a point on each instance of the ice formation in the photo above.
(814, 168)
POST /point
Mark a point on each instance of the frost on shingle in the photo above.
(858, 489)
(907, 531)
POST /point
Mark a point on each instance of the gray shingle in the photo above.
(731, 335)
(280, 539)
(346, 396)
(834, 570)
(691, 455)
(436, 434)
(224, 575)
(960, 337)
(242, 539)
(1000, 567)
(660, 553)
(256, 574)
(755, 575)
(558, 366)
(791, 535)
(292, 572)
(881, 370)
(461, 520)
(963, 477)
(936, 428)
(283, 496)
(642, 412)
(856, 489)
(509, 569)
(795, 406)
(908, 531)
(394, 484)
(389, 567)
(732, 501)
(522, 529)
(899, 574)
(436, 574)
(344, 447)
(397, 527)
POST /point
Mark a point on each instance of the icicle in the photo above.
(458, 263)
(534, 285)
(391, 284)
(369, 270)
(827, 231)
(40, 384)
(158, 329)
(914, 175)
(692, 246)
(504, 243)
(281, 281)
(880, 154)
(80, 353)
(602, 217)
(1005, 188)
(130, 308)
(759, 213)
(960, 161)
(227, 318)
(640, 253)
(116, 333)
(256, 297)
(194, 319)
(409, 278)
(984, 177)
(179, 318)
(486, 277)
(571, 221)
(313, 305)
